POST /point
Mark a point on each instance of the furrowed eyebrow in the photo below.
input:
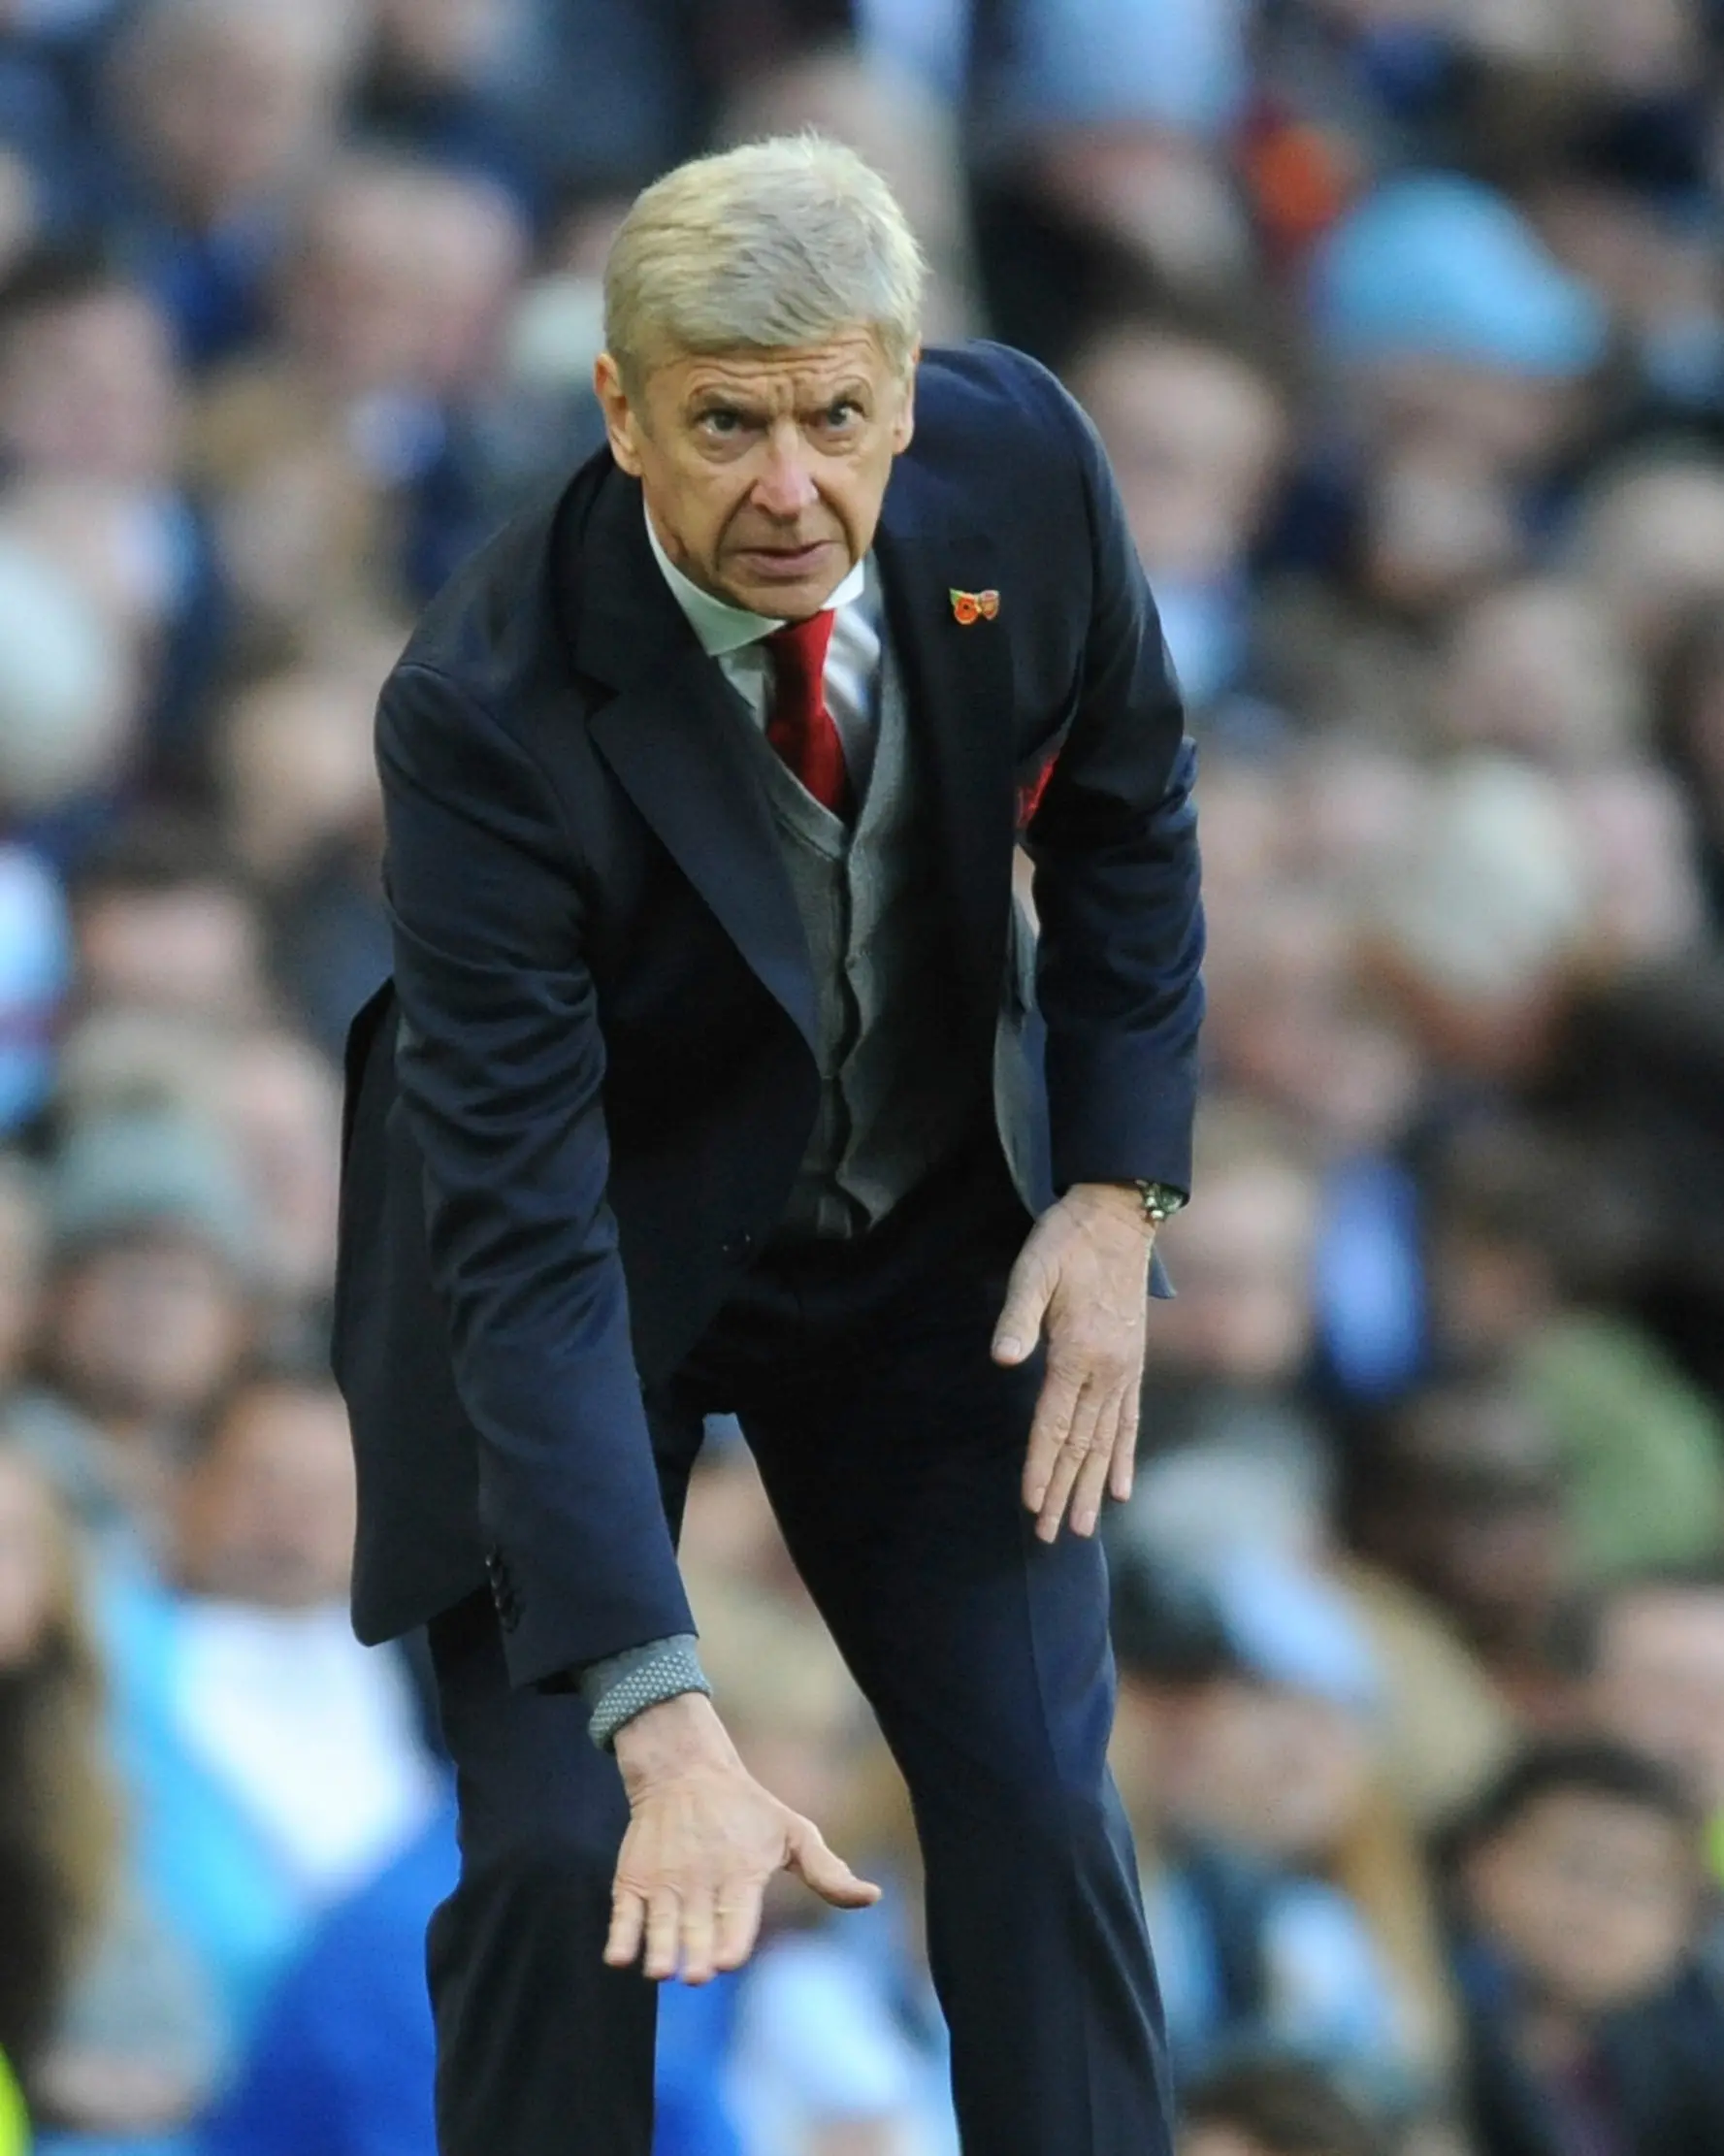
(748, 409)
(849, 393)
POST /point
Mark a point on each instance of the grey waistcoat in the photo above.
(894, 1095)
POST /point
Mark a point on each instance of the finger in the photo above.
(739, 1924)
(1029, 1292)
(664, 1923)
(825, 1871)
(1073, 1453)
(697, 1937)
(1061, 1390)
(1090, 1487)
(1125, 1468)
(628, 1915)
(1059, 1488)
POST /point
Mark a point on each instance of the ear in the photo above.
(622, 426)
(905, 426)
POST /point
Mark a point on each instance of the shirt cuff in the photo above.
(624, 1685)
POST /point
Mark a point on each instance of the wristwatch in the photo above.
(1160, 1201)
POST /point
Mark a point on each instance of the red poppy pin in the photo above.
(969, 607)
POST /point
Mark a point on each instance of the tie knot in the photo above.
(798, 649)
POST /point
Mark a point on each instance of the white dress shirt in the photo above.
(313, 1737)
(732, 636)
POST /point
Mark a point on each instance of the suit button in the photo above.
(737, 1247)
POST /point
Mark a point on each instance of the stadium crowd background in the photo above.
(1402, 324)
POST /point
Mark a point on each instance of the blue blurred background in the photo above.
(1402, 324)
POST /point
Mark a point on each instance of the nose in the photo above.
(785, 487)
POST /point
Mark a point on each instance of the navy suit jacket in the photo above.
(581, 1102)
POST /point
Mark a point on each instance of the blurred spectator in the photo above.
(1535, 669)
(67, 716)
(442, 79)
(92, 414)
(1197, 430)
(1274, 2109)
(274, 1099)
(1295, 1023)
(1647, 532)
(1248, 1952)
(277, 1761)
(223, 111)
(1483, 928)
(282, 1110)
(1111, 115)
(1646, 1657)
(1445, 1727)
(1288, 1761)
(1242, 1317)
(1690, 687)
(58, 1835)
(1263, 1487)
(1531, 1254)
(1637, 1083)
(165, 921)
(300, 792)
(145, 1316)
(337, 454)
(99, 2009)
(343, 2057)
(23, 1245)
(1465, 351)
(88, 387)
(298, 771)
(1577, 1893)
(1461, 1494)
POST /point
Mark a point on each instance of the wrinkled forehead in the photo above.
(778, 375)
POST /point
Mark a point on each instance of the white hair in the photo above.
(769, 247)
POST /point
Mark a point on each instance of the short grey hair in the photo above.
(769, 247)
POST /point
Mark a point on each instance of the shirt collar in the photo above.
(722, 628)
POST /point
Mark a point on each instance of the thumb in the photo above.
(1028, 1294)
(831, 1877)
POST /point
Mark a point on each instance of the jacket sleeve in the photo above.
(500, 1067)
(1115, 843)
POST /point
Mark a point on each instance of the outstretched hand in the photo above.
(1084, 1275)
(704, 1839)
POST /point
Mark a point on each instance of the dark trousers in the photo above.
(892, 1446)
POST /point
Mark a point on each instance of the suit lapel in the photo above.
(673, 739)
(676, 742)
(959, 679)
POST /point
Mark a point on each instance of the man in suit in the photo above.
(720, 1072)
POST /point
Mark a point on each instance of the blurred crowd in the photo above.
(1403, 324)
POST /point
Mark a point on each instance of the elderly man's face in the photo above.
(763, 471)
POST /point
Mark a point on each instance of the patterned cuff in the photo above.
(627, 1685)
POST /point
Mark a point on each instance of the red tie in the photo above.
(799, 726)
